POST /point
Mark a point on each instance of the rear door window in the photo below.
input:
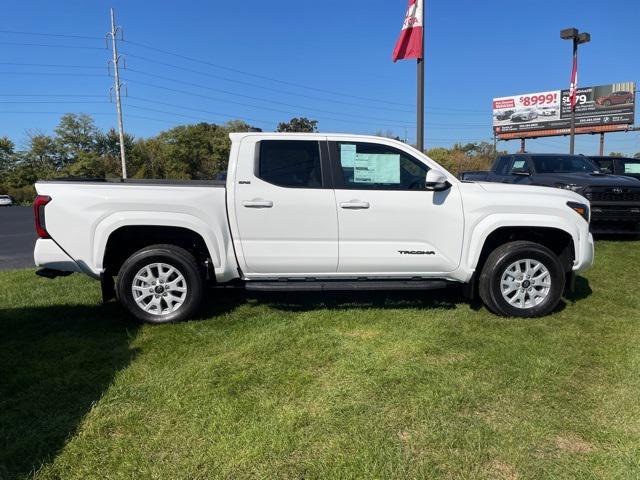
(290, 163)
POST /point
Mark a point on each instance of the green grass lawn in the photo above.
(402, 385)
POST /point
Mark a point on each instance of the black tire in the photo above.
(496, 265)
(607, 103)
(183, 263)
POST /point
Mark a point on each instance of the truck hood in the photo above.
(584, 180)
(509, 189)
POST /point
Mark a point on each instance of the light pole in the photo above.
(577, 38)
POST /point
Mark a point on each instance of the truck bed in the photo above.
(138, 181)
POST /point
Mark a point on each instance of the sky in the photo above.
(329, 60)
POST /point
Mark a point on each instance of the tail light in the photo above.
(38, 211)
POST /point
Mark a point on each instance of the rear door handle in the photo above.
(258, 203)
(354, 205)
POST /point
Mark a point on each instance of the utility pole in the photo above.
(601, 144)
(116, 87)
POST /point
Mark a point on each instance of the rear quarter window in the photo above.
(290, 163)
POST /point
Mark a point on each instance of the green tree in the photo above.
(108, 148)
(637, 155)
(75, 134)
(616, 154)
(298, 124)
(6, 154)
(43, 155)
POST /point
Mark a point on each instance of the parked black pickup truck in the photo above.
(629, 167)
(615, 200)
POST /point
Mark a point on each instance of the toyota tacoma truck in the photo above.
(313, 212)
(615, 200)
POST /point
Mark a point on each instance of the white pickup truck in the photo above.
(303, 212)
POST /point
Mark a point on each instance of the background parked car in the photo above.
(524, 115)
(629, 167)
(5, 201)
(616, 98)
(615, 200)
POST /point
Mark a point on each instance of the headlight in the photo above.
(580, 208)
(571, 186)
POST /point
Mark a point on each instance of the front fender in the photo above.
(481, 231)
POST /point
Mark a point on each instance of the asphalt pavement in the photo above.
(17, 237)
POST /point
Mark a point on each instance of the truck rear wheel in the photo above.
(160, 284)
(522, 279)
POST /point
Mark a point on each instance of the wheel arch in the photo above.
(162, 226)
(559, 240)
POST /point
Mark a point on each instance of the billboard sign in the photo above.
(549, 113)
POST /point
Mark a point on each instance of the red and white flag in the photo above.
(410, 44)
(573, 86)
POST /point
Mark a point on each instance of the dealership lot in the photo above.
(17, 237)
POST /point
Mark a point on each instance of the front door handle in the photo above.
(354, 205)
(258, 203)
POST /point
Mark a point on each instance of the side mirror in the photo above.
(436, 181)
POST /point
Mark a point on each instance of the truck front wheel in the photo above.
(160, 284)
(521, 279)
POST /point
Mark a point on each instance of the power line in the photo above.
(263, 77)
(289, 83)
(22, 102)
(288, 112)
(219, 66)
(250, 97)
(61, 35)
(173, 105)
(241, 82)
(57, 74)
(47, 95)
(51, 45)
(193, 117)
(20, 64)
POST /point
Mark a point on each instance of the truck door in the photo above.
(389, 223)
(284, 208)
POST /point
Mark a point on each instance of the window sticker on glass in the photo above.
(347, 155)
(518, 165)
(632, 167)
(377, 168)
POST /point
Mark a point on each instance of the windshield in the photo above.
(631, 166)
(562, 164)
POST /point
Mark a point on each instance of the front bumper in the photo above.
(615, 212)
(47, 254)
(586, 254)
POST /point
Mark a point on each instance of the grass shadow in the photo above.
(395, 299)
(581, 290)
(55, 364)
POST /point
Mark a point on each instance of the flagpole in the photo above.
(420, 86)
(572, 129)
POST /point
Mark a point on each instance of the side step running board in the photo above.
(343, 285)
(51, 273)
